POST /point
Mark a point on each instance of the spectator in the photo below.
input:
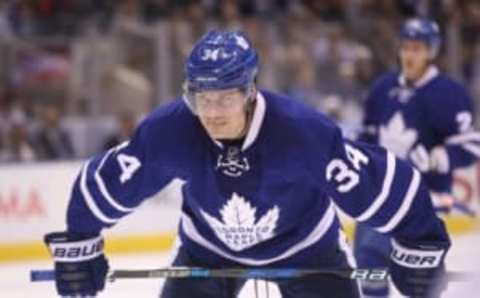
(154, 10)
(15, 146)
(125, 128)
(5, 28)
(51, 141)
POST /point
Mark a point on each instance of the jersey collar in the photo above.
(431, 73)
(255, 125)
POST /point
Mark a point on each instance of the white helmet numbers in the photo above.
(215, 54)
(222, 53)
(242, 42)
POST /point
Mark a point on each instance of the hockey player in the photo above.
(262, 173)
(423, 117)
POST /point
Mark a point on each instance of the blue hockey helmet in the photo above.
(221, 60)
(422, 29)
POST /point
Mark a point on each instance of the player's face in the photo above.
(222, 112)
(414, 58)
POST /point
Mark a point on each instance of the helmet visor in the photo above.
(203, 100)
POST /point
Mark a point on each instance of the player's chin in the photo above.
(217, 133)
(411, 73)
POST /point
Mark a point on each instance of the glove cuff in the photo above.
(420, 158)
(419, 257)
(63, 250)
(440, 160)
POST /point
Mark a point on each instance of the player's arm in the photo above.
(109, 186)
(453, 122)
(374, 187)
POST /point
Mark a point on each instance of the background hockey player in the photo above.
(421, 116)
(262, 173)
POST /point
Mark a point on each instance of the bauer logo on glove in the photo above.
(77, 251)
(414, 258)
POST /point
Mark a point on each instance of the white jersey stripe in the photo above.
(384, 193)
(405, 206)
(257, 119)
(347, 250)
(343, 244)
(89, 199)
(474, 149)
(103, 188)
(471, 136)
(317, 233)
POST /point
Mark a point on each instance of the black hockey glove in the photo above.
(418, 270)
(80, 265)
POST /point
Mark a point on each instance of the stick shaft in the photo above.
(263, 273)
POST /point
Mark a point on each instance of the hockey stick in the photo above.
(464, 209)
(262, 273)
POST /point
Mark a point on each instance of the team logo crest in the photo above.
(232, 164)
(238, 227)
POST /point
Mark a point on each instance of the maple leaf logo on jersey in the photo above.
(396, 137)
(238, 229)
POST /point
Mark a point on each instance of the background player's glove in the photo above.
(418, 270)
(442, 202)
(445, 203)
(80, 265)
(439, 160)
(436, 160)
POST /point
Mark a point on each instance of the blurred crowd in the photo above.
(324, 52)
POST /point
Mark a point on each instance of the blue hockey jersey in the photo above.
(436, 111)
(264, 201)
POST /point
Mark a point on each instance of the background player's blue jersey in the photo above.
(264, 200)
(435, 111)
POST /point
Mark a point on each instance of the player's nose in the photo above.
(211, 112)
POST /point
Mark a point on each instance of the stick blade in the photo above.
(42, 275)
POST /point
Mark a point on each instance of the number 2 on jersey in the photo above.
(464, 120)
